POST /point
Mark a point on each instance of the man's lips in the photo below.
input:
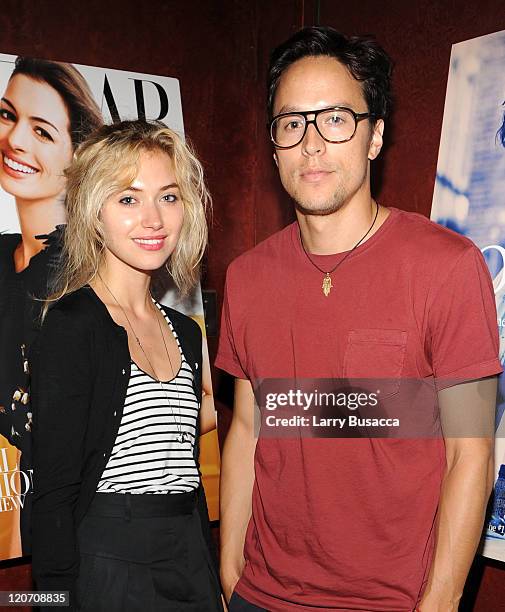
(314, 174)
(16, 167)
(153, 243)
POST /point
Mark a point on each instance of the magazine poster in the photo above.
(47, 108)
(469, 198)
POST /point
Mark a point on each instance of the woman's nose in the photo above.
(18, 137)
(151, 216)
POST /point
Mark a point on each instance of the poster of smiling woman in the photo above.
(47, 108)
(470, 199)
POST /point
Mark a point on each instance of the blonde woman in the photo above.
(119, 516)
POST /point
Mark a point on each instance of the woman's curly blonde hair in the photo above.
(106, 163)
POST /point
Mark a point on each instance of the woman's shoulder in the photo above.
(78, 306)
(69, 325)
(7, 238)
(8, 242)
(179, 317)
(184, 326)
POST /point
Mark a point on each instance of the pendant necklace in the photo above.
(182, 436)
(327, 284)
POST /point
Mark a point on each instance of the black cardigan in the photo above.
(80, 368)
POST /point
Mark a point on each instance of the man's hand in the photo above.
(229, 578)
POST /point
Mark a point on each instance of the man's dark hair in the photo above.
(362, 56)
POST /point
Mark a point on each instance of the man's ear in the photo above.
(275, 159)
(377, 139)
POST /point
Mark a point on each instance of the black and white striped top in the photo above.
(147, 458)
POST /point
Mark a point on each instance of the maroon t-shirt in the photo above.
(348, 524)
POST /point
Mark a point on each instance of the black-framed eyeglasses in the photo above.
(336, 124)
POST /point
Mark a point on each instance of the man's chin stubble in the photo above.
(322, 209)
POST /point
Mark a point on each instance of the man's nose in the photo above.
(312, 143)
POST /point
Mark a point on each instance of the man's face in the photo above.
(320, 176)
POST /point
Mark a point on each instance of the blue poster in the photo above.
(469, 198)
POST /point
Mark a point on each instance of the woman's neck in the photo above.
(36, 218)
(127, 291)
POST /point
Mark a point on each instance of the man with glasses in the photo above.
(351, 290)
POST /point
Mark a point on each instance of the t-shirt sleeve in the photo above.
(462, 322)
(227, 355)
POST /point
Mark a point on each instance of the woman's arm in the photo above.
(208, 411)
(61, 383)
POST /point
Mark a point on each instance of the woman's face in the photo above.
(142, 224)
(35, 142)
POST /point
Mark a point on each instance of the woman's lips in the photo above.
(16, 168)
(150, 244)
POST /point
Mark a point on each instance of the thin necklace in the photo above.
(182, 436)
(327, 284)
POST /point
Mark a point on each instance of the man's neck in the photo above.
(341, 230)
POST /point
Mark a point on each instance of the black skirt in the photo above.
(144, 553)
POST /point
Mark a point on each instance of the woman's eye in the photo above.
(6, 115)
(43, 133)
(170, 198)
(127, 200)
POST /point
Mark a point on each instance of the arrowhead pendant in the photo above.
(327, 284)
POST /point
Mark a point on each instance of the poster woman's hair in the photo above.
(69, 83)
(108, 163)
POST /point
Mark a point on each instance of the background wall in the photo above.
(219, 51)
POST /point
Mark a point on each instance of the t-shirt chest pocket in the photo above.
(376, 353)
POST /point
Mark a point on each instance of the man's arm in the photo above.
(237, 479)
(467, 413)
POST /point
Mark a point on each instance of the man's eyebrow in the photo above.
(33, 118)
(297, 109)
(288, 109)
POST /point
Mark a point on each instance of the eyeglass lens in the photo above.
(334, 125)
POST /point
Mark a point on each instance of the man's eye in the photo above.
(127, 200)
(335, 120)
(293, 125)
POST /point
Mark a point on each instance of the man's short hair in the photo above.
(362, 56)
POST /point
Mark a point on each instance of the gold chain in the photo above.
(327, 284)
